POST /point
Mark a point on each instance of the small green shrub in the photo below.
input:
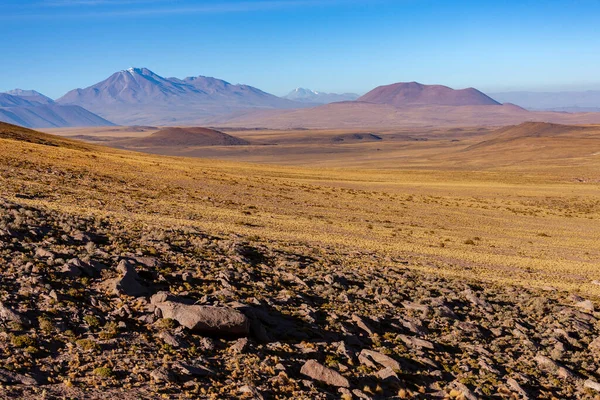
(104, 372)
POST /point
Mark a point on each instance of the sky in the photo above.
(54, 46)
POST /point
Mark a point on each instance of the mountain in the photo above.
(413, 93)
(311, 96)
(19, 110)
(138, 96)
(31, 95)
(556, 101)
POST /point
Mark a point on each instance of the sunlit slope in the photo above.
(536, 228)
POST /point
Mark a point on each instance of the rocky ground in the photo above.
(96, 307)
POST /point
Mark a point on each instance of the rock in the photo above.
(416, 342)
(514, 385)
(203, 319)
(171, 340)
(84, 267)
(388, 375)
(13, 378)
(7, 314)
(320, 373)
(595, 344)
(548, 365)
(590, 384)
(362, 324)
(381, 359)
(129, 283)
(586, 305)
(193, 370)
(239, 346)
(163, 375)
(248, 390)
(70, 271)
(43, 253)
(463, 391)
(477, 301)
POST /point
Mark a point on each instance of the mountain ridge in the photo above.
(140, 96)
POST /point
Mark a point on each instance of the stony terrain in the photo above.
(96, 307)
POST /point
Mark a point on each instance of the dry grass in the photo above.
(522, 225)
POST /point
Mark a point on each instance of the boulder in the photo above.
(320, 373)
(381, 359)
(129, 283)
(202, 319)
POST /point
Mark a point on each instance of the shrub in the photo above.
(92, 321)
(88, 345)
(103, 372)
(22, 341)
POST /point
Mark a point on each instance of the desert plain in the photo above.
(412, 262)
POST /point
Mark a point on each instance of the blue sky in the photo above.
(329, 45)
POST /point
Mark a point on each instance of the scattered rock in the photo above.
(320, 373)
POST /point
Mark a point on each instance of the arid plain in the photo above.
(528, 193)
(425, 263)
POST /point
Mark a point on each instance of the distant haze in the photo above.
(558, 101)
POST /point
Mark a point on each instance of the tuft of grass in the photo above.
(88, 345)
(104, 372)
(23, 341)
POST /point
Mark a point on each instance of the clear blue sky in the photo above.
(329, 45)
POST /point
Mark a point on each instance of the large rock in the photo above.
(7, 314)
(129, 283)
(320, 373)
(202, 319)
(380, 359)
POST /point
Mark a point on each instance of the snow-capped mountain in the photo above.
(139, 96)
(311, 96)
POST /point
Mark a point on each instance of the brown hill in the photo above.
(413, 93)
(14, 132)
(184, 137)
(529, 130)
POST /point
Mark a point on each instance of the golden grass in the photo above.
(537, 226)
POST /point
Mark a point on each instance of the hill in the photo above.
(31, 111)
(528, 130)
(413, 93)
(138, 96)
(18, 133)
(183, 137)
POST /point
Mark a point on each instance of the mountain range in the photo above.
(312, 96)
(139, 96)
(29, 108)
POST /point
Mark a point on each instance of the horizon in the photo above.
(336, 46)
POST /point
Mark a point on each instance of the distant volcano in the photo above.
(413, 93)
